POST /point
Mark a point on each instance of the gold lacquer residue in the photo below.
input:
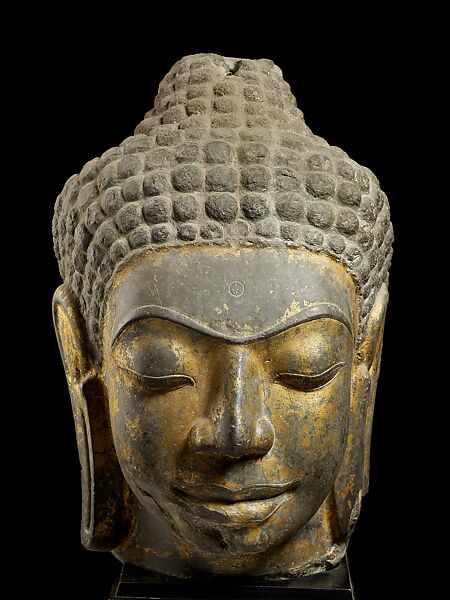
(292, 310)
(134, 427)
(165, 554)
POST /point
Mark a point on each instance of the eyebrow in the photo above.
(311, 313)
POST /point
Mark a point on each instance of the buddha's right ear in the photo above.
(103, 485)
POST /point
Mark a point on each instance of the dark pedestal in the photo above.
(138, 584)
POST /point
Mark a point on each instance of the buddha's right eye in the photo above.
(164, 383)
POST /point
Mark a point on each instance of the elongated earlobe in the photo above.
(371, 349)
(103, 486)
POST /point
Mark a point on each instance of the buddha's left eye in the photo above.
(308, 383)
(163, 383)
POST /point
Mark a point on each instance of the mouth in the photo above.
(242, 507)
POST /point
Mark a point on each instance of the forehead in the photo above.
(235, 293)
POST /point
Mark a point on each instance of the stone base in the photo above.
(138, 584)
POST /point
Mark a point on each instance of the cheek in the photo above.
(150, 431)
(311, 428)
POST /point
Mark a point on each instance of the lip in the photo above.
(243, 507)
(222, 493)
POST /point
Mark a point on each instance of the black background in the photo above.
(86, 87)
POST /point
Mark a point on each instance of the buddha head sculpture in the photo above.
(220, 322)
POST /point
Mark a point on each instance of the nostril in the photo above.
(202, 437)
(264, 435)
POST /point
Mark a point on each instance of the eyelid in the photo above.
(169, 382)
(311, 382)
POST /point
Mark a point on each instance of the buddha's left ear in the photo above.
(353, 478)
(103, 484)
(370, 356)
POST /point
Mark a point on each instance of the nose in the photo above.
(236, 425)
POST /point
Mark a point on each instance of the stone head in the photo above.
(220, 322)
